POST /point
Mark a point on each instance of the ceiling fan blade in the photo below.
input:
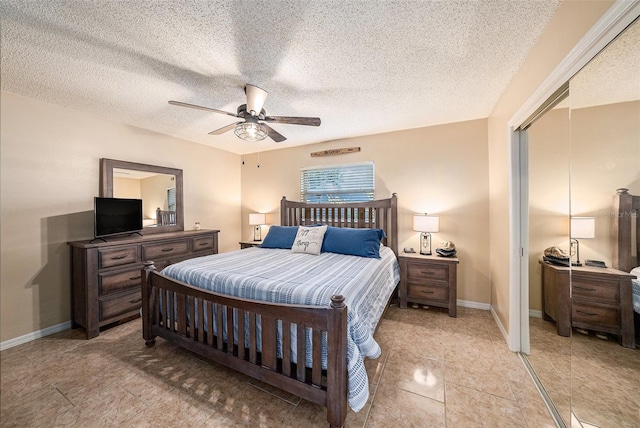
(273, 134)
(255, 99)
(224, 129)
(310, 121)
(181, 104)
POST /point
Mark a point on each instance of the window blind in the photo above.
(335, 184)
(171, 198)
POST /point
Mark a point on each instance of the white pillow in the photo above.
(636, 271)
(309, 240)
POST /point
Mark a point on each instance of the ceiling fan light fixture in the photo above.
(251, 131)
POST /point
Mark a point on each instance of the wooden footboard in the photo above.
(188, 328)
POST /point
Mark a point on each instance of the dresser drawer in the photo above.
(585, 313)
(595, 289)
(109, 257)
(426, 272)
(173, 248)
(112, 282)
(120, 304)
(425, 292)
(202, 244)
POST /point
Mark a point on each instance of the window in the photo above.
(341, 183)
(171, 199)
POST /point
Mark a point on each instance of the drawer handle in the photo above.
(584, 288)
(427, 292)
(203, 243)
(118, 257)
(166, 250)
(428, 272)
(135, 278)
(591, 314)
(138, 300)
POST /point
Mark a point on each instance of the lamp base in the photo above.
(576, 264)
(256, 233)
(425, 243)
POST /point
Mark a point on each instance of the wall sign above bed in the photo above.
(332, 152)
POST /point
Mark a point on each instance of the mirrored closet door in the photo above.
(580, 153)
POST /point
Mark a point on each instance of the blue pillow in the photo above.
(280, 237)
(354, 242)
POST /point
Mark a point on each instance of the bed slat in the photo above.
(269, 342)
(286, 347)
(219, 326)
(241, 327)
(316, 370)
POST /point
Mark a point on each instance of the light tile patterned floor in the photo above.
(435, 371)
(593, 381)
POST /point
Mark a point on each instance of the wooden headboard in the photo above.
(626, 210)
(382, 214)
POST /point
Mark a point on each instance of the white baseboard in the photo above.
(474, 305)
(35, 335)
(535, 313)
(500, 326)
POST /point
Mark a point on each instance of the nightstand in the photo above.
(428, 280)
(249, 244)
(590, 298)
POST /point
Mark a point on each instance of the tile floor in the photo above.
(593, 381)
(435, 371)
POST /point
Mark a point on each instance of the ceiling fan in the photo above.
(252, 127)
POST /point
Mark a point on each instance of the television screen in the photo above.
(115, 216)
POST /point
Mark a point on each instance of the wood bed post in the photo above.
(337, 363)
(394, 223)
(622, 209)
(148, 306)
(283, 212)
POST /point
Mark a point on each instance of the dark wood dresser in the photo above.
(106, 275)
(429, 280)
(598, 299)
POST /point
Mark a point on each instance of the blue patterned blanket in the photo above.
(280, 276)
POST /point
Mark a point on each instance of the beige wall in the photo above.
(440, 170)
(571, 21)
(49, 176)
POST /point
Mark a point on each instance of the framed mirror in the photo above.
(159, 187)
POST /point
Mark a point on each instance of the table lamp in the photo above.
(257, 220)
(426, 224)
(583, 228)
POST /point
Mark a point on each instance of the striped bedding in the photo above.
(280, 276)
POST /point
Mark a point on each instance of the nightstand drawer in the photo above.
(117, 256)
(111, 282)
(174, 248)
(425, 292)
(595, 289)
(426, 272)
(594, 314)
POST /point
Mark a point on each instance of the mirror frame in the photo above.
(106, 188)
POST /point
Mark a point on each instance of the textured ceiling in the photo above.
(363, 67)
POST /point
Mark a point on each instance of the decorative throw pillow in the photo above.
(309, 239)
(280, 237)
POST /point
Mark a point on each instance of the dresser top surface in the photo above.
(588, 270)
(120, 240)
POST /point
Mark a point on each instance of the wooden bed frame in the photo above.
(326, 388)
(626, 209)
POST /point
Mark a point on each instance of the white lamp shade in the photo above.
(583, 227)
(426, 223)
(256, 219)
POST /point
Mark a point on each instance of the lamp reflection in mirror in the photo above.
(257, 220)
(583, 228)
(426, 224)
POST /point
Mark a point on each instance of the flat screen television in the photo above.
(116, 216)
